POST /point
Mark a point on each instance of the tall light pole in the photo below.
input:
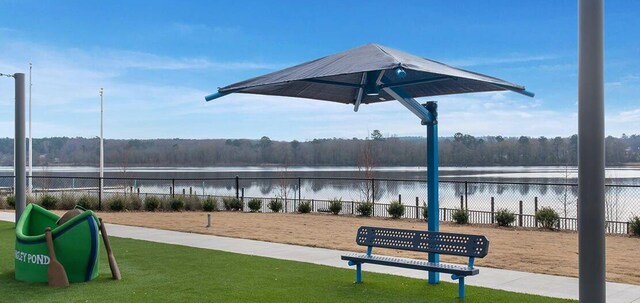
(101, 142)
(591, 177)
(30, 187)
(20, 147)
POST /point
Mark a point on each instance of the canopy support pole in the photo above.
(433, 209)
(428, 114)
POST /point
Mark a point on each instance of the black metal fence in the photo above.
(482, 199)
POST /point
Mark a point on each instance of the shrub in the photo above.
(176, 204)
(547, 217)
(134, 203)
(425, 211)
(335, 206)
(232, 203)
(117, 203)
(11, 202)
(88, 202)
(634, 226)
(395, 209)
(504, 217)
(67, 201)
(210, 204)
(365, 209)
(304, 207)
(255, 205)
(152, 203)
(48, 201)
(192, 203)
(460, 216)
(275, 205)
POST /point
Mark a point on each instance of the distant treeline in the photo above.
(459, 150)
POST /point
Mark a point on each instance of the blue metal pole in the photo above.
(433, 215)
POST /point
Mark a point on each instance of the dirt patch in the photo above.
(546, 252)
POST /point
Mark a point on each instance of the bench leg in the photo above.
(460, 285)
(461, 288)
(359, 273)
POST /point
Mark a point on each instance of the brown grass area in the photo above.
(547, 252)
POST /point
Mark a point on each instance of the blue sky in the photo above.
(157, 59)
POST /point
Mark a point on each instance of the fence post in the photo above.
(520, 219)
(493, 211)
(400, 199)
(535, 210)
(138, 189)
(313, 205)
(237, 187)
(184, 191)
(466, 197)
(242, 199)
(173, 188)
(352, 207)
(417, 209)
(373, 210)
(190, 191)
(461, 202)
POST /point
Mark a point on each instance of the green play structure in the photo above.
(75, 241)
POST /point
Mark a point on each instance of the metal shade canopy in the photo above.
(373, 73)
(342, 77)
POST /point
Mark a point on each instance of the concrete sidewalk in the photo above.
(523, 282)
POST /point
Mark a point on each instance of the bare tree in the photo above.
(366, 167)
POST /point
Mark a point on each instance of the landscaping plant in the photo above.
(335, 206)
(11, 201)
(304, 207)
(134, 202)
(460, 216)
(117, 203)
(231, 203)
(634, 226)
(176, 204)
(275, 205)
(548, 218)
(87, 202)
(365, 209)
(504, 217)
(255, 205)
(48, 201)
(425, 211)
(151, 203)
(192, 203)
(210, 204)
(396, 209)
(67, 201)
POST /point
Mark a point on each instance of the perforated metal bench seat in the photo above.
(412, 264)
(433, 243)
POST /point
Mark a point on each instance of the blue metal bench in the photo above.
(471, 246)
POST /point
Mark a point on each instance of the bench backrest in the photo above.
(424, 241)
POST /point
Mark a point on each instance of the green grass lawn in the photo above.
(155, 272)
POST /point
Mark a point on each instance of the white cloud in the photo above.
(506, 59)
